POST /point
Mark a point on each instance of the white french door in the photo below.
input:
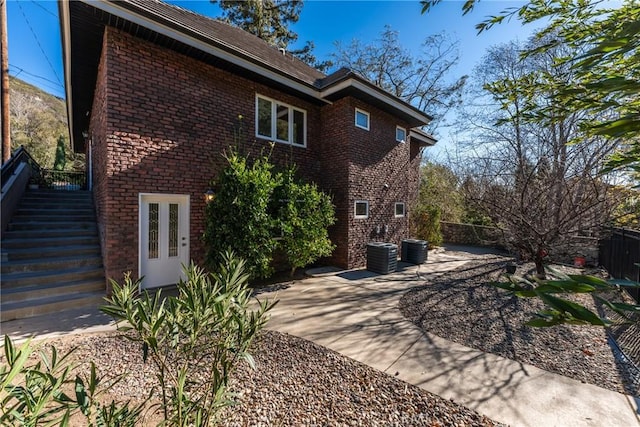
(164, 238)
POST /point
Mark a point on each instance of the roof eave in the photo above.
(413, 116)
(65, 35)
(189, 37)
(422, 138)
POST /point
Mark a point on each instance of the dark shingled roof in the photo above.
(228, 37)
(205, 39)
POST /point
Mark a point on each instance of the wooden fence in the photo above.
(619, 254)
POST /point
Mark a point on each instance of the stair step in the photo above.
(24, 293)
(51, 201)
(57, 210)
(35, 307)
(54, 233)
(38, 242)
(48, 193)
(38, 252)
(42, 225)
(52, 217)
(46, 264)
(13, 280)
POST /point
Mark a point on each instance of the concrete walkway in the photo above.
(356, 313)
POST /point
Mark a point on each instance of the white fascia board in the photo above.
(430, 140)
(116, 10)
(65, 34)
(388, 99)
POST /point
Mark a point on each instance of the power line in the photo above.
(47, 85)
(22, 70)
(44, 8)
(38, 42)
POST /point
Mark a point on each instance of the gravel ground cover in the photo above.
(462, 307)
(295, 383)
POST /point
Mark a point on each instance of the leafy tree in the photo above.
(439, 187)
(419, 80)
(270, 20)
(266, 19)
(606, 73)
(195, 340)
(532, 182)
(61, 158)
(425, 222)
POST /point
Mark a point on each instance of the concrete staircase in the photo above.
(51, 257)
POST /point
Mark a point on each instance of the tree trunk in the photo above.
(538, 259)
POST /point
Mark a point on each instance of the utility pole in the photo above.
(4, 52)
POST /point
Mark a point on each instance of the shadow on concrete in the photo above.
(78, 320)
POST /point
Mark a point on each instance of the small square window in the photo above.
(401, 134)
(362, 119)
(361, 209)
(399, 210)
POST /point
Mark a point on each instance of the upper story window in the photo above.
(401, 134)
(361, 209)
(399, 210)
(280, 122)
(362, 119)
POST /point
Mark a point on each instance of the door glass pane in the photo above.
(264, 117)
(173, 229)
(298, 127)
(154, 210)
(282, 124)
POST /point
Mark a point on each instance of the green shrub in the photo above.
(61, 156)
(35, 394)
(426, 224)
(196, 340)
(238, 218)
(304, 214)
(257, 210)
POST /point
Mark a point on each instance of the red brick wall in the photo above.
(160, 122)
(98, 146)
(379, 172)
(335, 162)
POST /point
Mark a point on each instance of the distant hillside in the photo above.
(38, 119)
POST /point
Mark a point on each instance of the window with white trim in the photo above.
(362, 119)
(399, 210)
(280, 122)
(361, 209)
(401, 134)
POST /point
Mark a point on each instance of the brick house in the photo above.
(154, 94)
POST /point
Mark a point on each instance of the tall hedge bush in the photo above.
(258, 209)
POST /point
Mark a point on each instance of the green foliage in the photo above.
(426, 224)
(196, 340)
(627, 212)
(606, 83)
(257, 210)
(239, 218)
(439, 187)
(270, 20)
(37, 121)
(304, 214)
(36, 394)
(563, 311)
(61, 156)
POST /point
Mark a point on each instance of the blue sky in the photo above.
(35, 54)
